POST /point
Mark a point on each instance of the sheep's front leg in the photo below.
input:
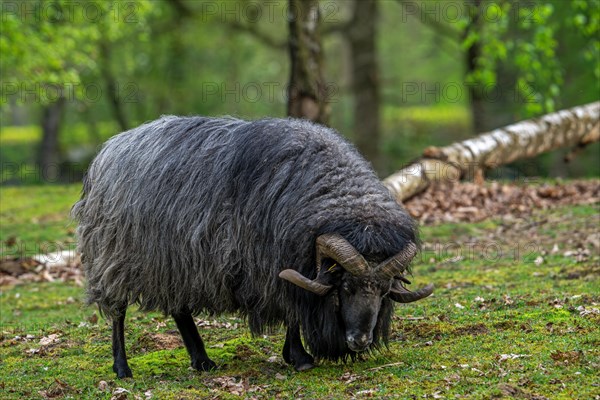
(293, 351)
(193, 343)
(118, 346)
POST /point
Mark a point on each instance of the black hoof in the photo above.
(122, 371)
(304, 367)
(204, 365)
(304, 362)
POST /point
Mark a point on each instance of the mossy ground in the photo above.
(517, 320)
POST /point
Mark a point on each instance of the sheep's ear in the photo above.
(402, 295)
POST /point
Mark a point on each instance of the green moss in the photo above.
(159, 362)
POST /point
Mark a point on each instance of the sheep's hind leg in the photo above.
(193, 342)
(293, 351)
(118, 345)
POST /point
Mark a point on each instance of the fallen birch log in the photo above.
(575, 127)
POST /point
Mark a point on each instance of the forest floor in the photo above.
(515, 313)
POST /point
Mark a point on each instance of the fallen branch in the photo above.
(577, 126)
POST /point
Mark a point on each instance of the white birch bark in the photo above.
(577, 126)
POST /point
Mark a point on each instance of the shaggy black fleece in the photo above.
(201, 214)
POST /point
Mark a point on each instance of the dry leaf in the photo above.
(93, 319)
(504, 357)
(470, 202)
(566, 356)
(119, 394)
(280, 376)
(348, 377)
(539, 260)
(50, 339)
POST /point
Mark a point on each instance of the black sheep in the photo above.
(279, 219)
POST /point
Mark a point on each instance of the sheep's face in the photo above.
(361, 284)
(359, 304)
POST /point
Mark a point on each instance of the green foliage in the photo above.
(49, 47)
(489, 36)
(587, 21)
(55, 50)
(200, 61)
(522, 36)
(527, 36)
(536, 61)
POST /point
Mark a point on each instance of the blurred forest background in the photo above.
(399, 75)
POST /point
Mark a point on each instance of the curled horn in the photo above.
(336, 247)
(333, 246)
(395, 266)
(295, 277)
(402, 295)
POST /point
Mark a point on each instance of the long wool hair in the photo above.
(201, 214)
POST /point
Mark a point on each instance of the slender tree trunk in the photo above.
(307, 91)
(476, 100)
(112, 88)
(477, 103)
(365, 80)
(578, 126)
(48, 156)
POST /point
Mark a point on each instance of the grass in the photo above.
(77, 144)
(498, 326)
(406, 131)
(36, 218)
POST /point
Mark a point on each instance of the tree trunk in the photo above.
(112, 88)
(477, 103)
(365, 81)
(48, 157)
(307, 91)
(578, 126)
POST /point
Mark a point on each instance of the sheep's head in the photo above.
(361, 285)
